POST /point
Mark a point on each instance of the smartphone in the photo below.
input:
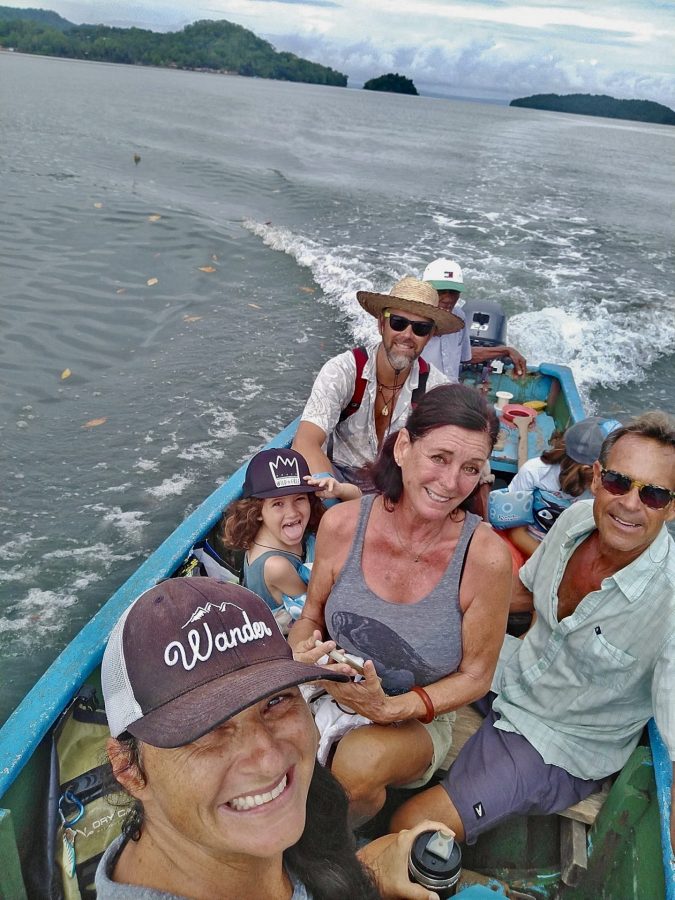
(338, 657)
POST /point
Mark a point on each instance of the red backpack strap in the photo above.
(420, 390)
(360, 358)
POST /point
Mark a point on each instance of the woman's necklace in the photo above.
(267, 547)
(419, 553)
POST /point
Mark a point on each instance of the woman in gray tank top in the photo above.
(419, 587)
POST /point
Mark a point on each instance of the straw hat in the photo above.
(413, 296)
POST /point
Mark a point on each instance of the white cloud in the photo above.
(475, 48)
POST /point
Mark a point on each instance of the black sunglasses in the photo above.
(651, 495)
(400, 323)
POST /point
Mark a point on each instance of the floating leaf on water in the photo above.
(93, 423)
(152, 281)
(154, 218)
(191, 318)
(207, 269)
(307, 290)
(255, 306)
(121, 291)
(65, 374)
(98, 206)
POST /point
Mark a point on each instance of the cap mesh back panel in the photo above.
(120, 704)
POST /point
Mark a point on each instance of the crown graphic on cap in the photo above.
(275, 473)
(285, 471)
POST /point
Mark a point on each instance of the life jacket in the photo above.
(361, 358)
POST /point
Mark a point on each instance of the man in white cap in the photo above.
(447, 352)
(362, 395)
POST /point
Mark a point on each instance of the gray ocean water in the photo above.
(161, 318)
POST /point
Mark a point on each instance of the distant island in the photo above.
(600, 105)
(205, 46)
(397, 84)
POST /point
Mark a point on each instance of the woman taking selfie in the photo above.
(212, 740)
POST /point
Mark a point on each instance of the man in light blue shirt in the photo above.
(573, 697)
(447, 352)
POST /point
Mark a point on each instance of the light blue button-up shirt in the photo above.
(581, 690)
(447, 351)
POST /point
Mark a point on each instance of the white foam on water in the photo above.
(202, 451)
(339, 272)
(146, 465)
(130, 522)
(600, 348)
(115, 489)
(172, 447)
(170, 487)
(19, 573)
(223, 426)
(101, 553)
(18, 547)
(42, 611)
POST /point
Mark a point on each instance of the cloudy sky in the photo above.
(476, 48)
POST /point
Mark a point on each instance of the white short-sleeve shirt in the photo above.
(355, 439)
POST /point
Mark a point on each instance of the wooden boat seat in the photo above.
(576, 819)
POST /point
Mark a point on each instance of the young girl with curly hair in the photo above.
(275, 523)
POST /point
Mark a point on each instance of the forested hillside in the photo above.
(600, 105)
(205, 45)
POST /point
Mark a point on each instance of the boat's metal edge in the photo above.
(31, 720)
(663, 773)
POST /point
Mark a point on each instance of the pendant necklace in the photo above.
(394, 390)
(419, 553)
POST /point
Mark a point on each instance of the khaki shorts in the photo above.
(440, 732)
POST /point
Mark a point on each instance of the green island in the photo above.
(205, 46)
(397, 84)
(600, 105)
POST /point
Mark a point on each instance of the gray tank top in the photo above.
(416, 643)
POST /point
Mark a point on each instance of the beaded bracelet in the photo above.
(430, 714)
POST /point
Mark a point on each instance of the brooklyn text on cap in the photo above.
(445, 275)
(276, 473)
(584, 440)
(414, 296)
(189, 654)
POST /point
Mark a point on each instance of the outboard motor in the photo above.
(486, 322)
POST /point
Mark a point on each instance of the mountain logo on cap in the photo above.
(202, 641)
(202, 611)
(285, 472)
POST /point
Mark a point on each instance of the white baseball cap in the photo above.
(445, 275)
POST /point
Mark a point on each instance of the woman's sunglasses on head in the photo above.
(651, 495)
(400, 323)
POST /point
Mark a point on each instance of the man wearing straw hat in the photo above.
(361, 395)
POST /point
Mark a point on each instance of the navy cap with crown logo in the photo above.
(277, 473)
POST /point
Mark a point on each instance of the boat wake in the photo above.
(598, 340)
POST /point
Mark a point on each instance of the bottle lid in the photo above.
(436, 856)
